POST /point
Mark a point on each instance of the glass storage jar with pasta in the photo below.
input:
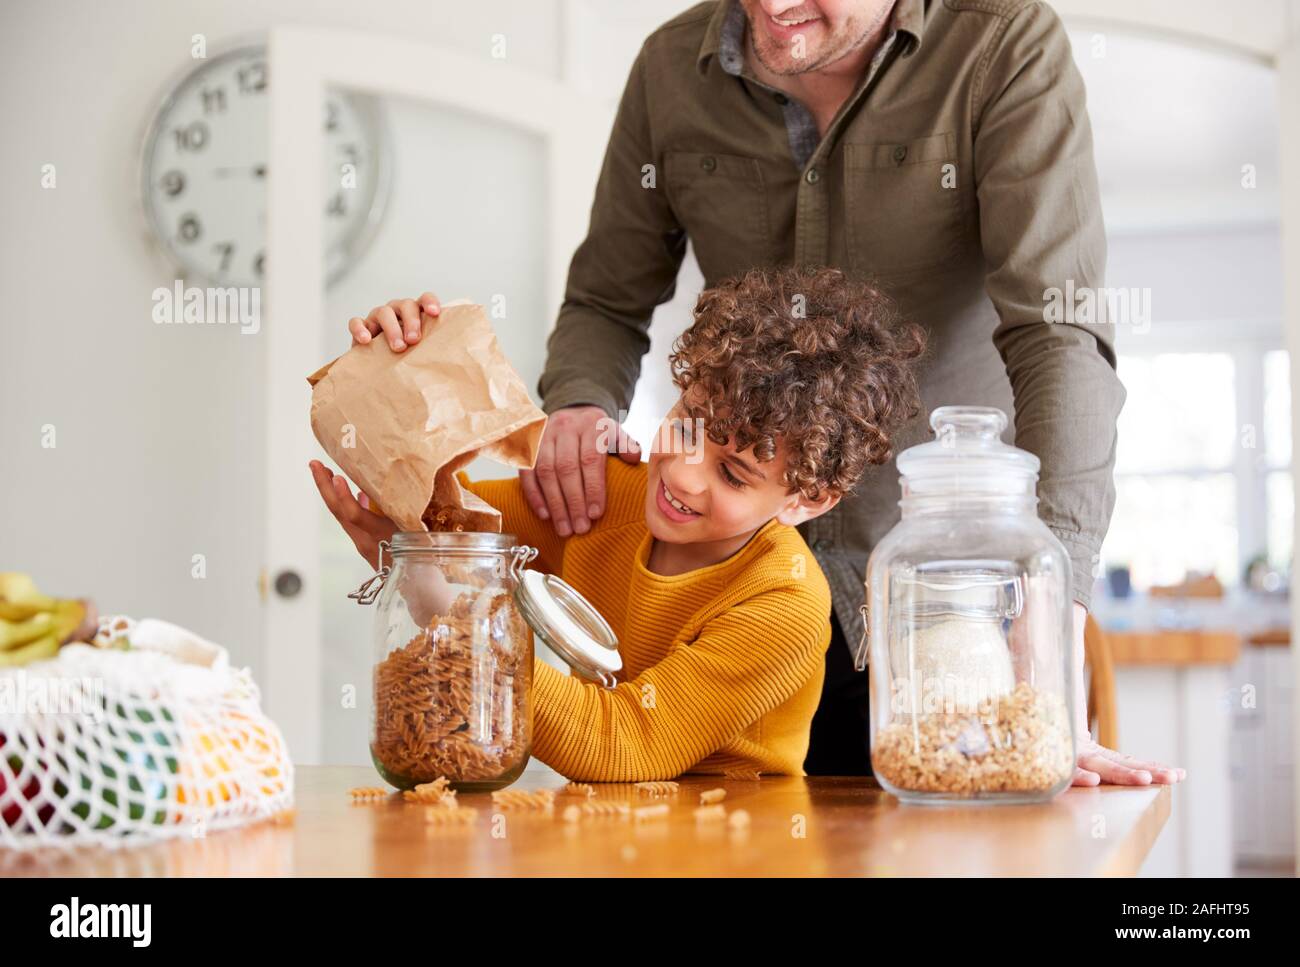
(453, 651)
(967, 624)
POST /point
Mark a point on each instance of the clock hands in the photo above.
(257, 171)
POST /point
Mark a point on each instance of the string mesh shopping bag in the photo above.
(110, 746)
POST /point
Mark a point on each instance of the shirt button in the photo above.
(900, 153)
(782, 100)
(813, 176)
(708, 162)
(823, 544)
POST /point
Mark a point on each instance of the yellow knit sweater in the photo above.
(722, 666)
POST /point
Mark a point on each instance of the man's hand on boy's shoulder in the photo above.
(567, 484)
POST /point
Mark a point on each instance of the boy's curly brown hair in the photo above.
(807, 356)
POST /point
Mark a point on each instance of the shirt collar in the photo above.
(726, 32)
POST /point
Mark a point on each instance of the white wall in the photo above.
(1226, 285)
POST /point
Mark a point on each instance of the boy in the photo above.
(791, 382)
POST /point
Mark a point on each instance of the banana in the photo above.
(89, 624)
(37, 650)
(17, 587)
(12, 611)
(19, 599)
(15, 633)
(69, 613)
(30, 621)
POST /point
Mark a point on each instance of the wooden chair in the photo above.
(1097, 660)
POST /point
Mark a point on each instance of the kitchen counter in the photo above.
(799, 827)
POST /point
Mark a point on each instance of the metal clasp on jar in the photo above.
(521, 555)
(860, 654)
(372, 585)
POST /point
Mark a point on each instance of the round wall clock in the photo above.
(204, 167)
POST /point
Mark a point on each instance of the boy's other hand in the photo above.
(400, 321)
(567, 484)
(364, 526)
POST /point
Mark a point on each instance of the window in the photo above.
(1202, 468)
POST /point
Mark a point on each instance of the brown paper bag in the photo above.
(401, 424)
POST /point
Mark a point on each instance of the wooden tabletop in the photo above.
(798, 827)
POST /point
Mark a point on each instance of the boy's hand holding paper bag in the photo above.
(401, 424)
(399, 320)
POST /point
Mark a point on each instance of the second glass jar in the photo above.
(969, 626)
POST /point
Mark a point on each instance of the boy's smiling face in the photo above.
(699, 491)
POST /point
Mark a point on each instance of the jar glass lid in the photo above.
(569, 625)
(967, 454)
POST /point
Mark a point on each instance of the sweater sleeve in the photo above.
(690, 704)
(517, 518)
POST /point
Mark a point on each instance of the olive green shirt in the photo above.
(959, 175)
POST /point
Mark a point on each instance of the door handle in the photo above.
(288, 583)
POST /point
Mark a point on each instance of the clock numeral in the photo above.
(189, 229)
(214, 100)
(192, 137)
(172, 183)
(188, 150)
(252, 79)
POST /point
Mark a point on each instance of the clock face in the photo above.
(205, 164)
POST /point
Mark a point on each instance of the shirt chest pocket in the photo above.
(903, 206)
(720, 200)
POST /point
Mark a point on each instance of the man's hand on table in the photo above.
(567, 484)
(1095, 764)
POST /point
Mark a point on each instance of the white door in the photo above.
(493, 170)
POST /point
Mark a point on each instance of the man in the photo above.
(942, 148)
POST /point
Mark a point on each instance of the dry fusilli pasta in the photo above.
(432, 793)
(643, 813)
(709, 814)
(658, 790)
(712, 795)
(450, 815)
(454, 701)
(523, 798)
(606, 809)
